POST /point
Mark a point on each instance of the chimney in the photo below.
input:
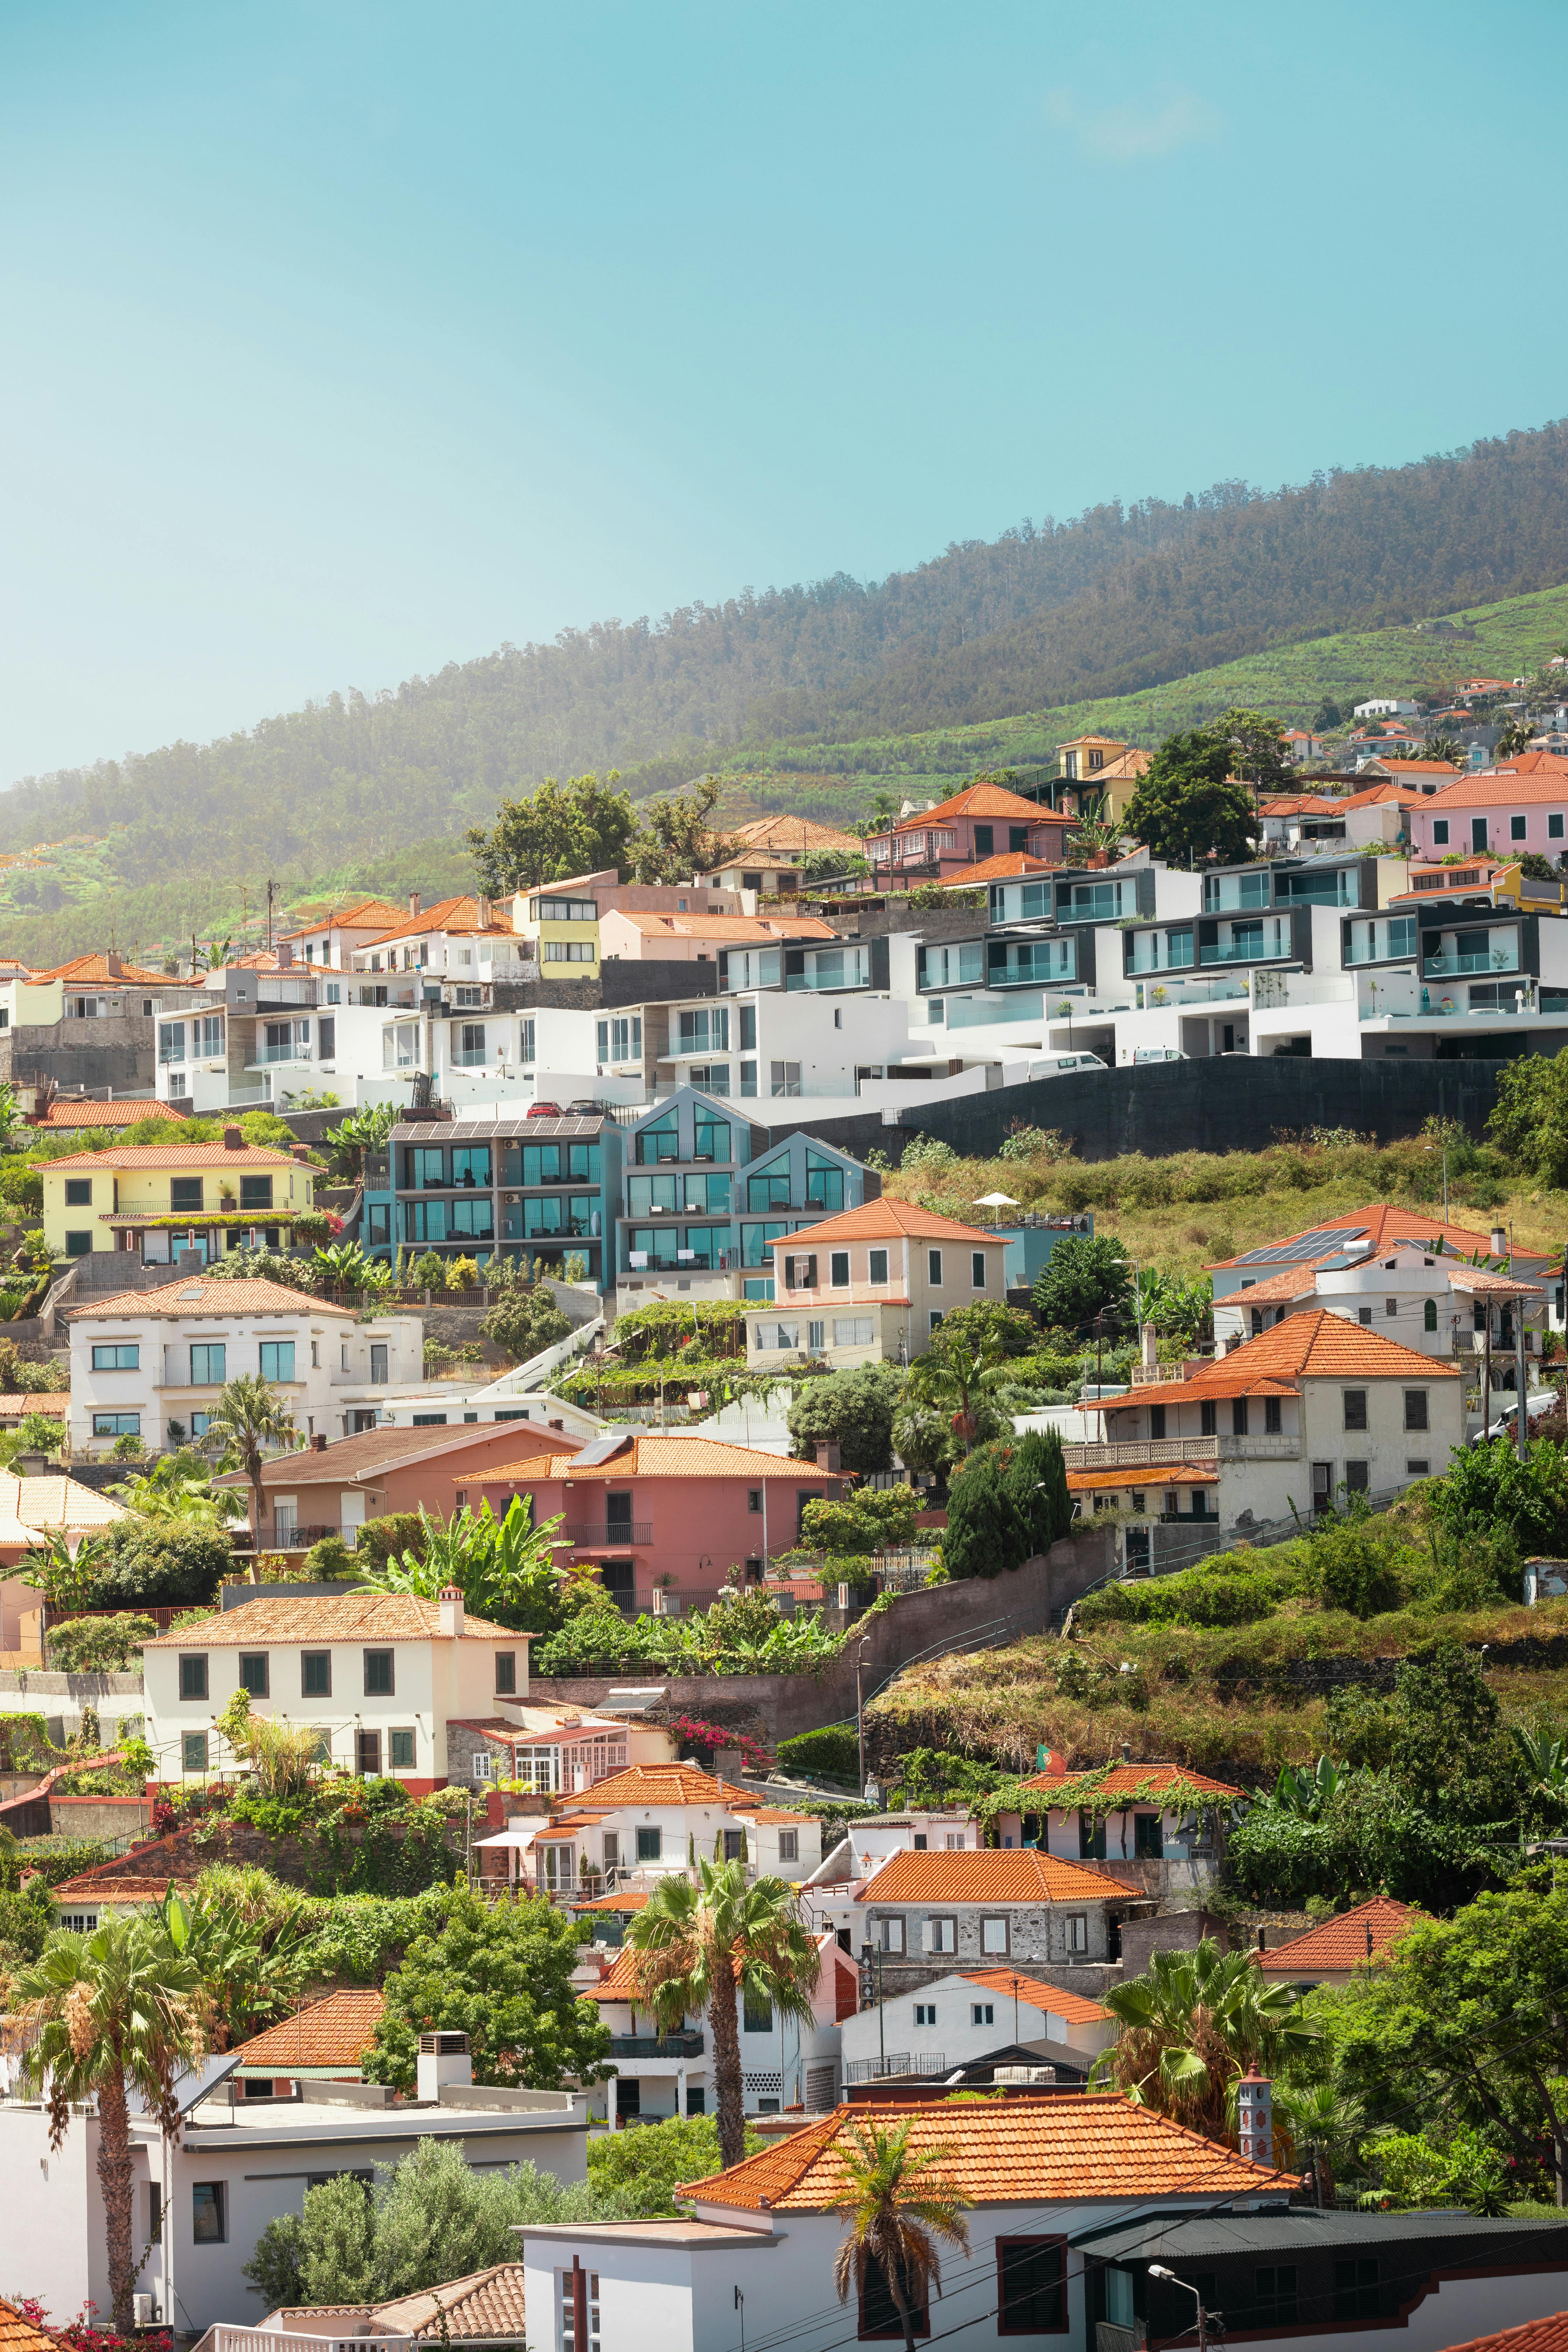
(414, 902)
(1127, 1751)
(443, 2058)
(1500, 1242)
(1263, 1939)
(232, 1139)
(451, 1618)
(1151, 1350)
(285, 955)
(114, 966)
(318, 1444)
(487, 913)
(827, 1455)
(1255, 2117)
(300, 1150)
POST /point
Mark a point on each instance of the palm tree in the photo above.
(249, 1419)
(955, 1380)
(897, 2202)
(699, 1944)
(1514, 739)
(1325, 2125)
(107, 2015)
(1192, 2027)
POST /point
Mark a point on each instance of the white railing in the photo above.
(270, 2339)
(1141, 1453)
(523, 1379)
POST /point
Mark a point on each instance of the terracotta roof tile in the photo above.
(992, 1874)
(1165, 1473)
(1020, 2151)
(1533, 2335)
(50, 1401)
(977, 800)
(1007, 865)
(1316, 1345)
(1294, 1282)
(361, 914)
(486, 2305)
(56, 1502)
(1384, 1222)
(156, 1156)
(1341, 1942)
(357, 1617)
(1504, 787)
(629, 1900)
(18, 2335)
(203, 1295)
(655, 1458)
(1050, 1998)
(336, 2032)
(879, 1220)
(95, 969)
(1072, 1788)
(63, 1114)
(797, 835)
(374, 1450)
(446, 914)
(666, 1784)
(741, 931)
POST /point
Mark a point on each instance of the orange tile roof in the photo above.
(1422, 767)
(204, 1295)
(1384, 1224)
(357, 1617)
(65, 1113)
(18, 2335)
(630, 1899)
(1008, 865)
(1164, 1473)
(991, 1875)
(978, 800)
(1505, 787)
(1341, 1942)
(1531, 2336)
(1065, 1788)
(95, 969)
(664, 1784)
(1396, 795)
(1016, 2152)
(1305, 805)
(363, 914)
(446, 914)
(1036, 1994)
(485, 2305)
(156, 1156)
(654, 1457)
(51, 1400)
(1316, 1345)
(742, 930)
(799, 833)
(1293, 1282)
(56, 1502)
(336, 2032)
(878, 1221)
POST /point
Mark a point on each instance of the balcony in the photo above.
(1160, 1453)
(1244, 952)
(1492, 960)
(609, 1534)
(857, 976)
(655, 2045)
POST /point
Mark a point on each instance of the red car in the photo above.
(544, 1110)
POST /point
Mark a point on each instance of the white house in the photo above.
(202, 2200)
(378, 1678)
(929, 1912)
(936, 2028)
(152, 1362)
(653, 1819)
(1160, 1826)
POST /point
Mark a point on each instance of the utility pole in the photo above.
(269, 898)
(1158, 2270)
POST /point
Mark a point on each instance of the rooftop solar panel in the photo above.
(603, 1449)
(1301, 1246)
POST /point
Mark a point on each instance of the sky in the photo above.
(343, 342)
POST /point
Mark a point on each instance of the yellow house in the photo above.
(564, 923)
(157, 1199)
(1104, 773)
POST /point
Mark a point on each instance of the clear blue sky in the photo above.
(344, 340)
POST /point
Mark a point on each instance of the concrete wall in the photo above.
(117, 1052)
(1233, 1103)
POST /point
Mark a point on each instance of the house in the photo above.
(974, 824)
(86, 1024)
(151, 1363)
(1035, 2169)
(377, 1676)
(457, 939)
(1161, 1823)
(1502, 810)
(639, 935)
(150, 1198)
(769, 855)
(544, 1751)
(333, 1487)
(803, 1021)
(563, 919)
(499, 1185)
(645, 1822)
(330, 941)
(872, 1286)
(31, 1511)
(960, 2019)
(1382, 1224)
(75, 1114)
(869, 1841)
(1283, 1423)
(482, 2311)
(1300, 744)
(1339, 1950)
(1422, 777)
(927, 1913)
(664, 1520)
(784, 2062)
(202, 2197)
(327, 2041)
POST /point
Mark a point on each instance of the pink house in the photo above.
(664, 1515)
(984, 821)
(641, 936)
(1499, 812)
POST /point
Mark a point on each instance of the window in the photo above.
(1157, 1420)
(925, 2012)
(1554, 826)
(1355, 1408)
(278, 1359)
(1391, 1306)
(852, 1330)
(1238, 1416)
(1031, 2289)
(207, 1359)
(1274, 2295)
(118, 1356)
(1363, 1317)
(1090, 1835)
(934, 1318)
(777, 1336)
(889, 1935)
(1477, 832)
(1208, 1424)
(994, 1936)
(783, 1080)
(506, 1673)
(878, 2312)
(79, 1244)
(1417, 1469)
(1358, 1477)
(1273, 1422)
(184, 1192)
(316, 1673)
(757, 2016)
(983, 2012)
(941, 1935)
(648, 1843)
(753, 1499)
(817, 1335)
(378, 1674)
(194, 1751)
(1516, 828)
(1440, 833)
(1415, 1409)
(1078, 1931)
(253, 1673)
(256, 1192)
(209, 2214)
(933, 1268)
(402, 1746)
(838, 1270)
(977, 1269)
(1355, 2287)
(1148, 1837)
(877, 1267)
(193, 1674)
(79, 1192)
(789, 1845)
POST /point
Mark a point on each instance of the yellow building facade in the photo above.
(156, 1201)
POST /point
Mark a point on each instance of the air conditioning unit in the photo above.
(143, 2310)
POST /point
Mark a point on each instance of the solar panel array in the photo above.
(1301, 1247)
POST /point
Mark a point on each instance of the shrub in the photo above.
(1208, 1595)
(331, 1556)
(830, 1755)
(873, 1518)
(987, 1532)
(524, 1322)
(1355, 1571)
(100, 1646)
(641, 2170)
(379, 1540)
(159, 1562)
(853, 1411)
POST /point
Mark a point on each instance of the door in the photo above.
(1477, 832)
(350, 1513)
(1323, 1485)
(618, 1577)
(367, 1755)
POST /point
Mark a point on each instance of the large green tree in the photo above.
(896, 2201)
(1186, 807)
(986, 1531)
(676, 840)
(1192, 2026)
(853, 1411)
(1085, 1277)
(582, 826)
(1530, 1124)
(1256, 747)
(502, 1977)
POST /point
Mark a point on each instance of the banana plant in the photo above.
(1307, 1793)
(1546, 1760)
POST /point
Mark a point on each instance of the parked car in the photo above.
(545, 1110)
(587, 1108)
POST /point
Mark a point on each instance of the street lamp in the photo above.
(860, 1709)
(1158, 2270)
(869, 1954)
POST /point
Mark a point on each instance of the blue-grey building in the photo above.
(511, 1185)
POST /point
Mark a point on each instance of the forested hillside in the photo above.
(1044, 615)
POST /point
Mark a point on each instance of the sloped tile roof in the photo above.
(1019, 2151)
(1294, 1282)
(1383, 1223)
(1073, 1787)
(879, 1220)
(1036, 1994)
(50, 1401)
(18, 2335)
(665, 1784)
(977, 800)
(383, 1449)
(655, 1457)
(56, 1502)
(1505, 787)
(156, 1156)
(1164, 1473)
(1007, 867)
(357, 1617)
(1316, 1345)
(992, 1874)
(64, 1114)
(94, 969)
(361, 914)
(1341, 1942)
(202, 1295)
(336, 2032)
(797, 835)
(742, 930)
(485, 2305)
(629, 1899)
(1533, 2335)
(446, 914)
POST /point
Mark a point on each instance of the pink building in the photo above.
(984, 821)
(1499, 812)
(664, 1515)
(640, 935)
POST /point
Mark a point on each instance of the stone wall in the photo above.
(83, 1056)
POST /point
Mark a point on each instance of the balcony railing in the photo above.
(1156, 1453)
(605, 1534)
(284, 1535)
(1244, 952)
(655, 2045)
(1440, 967)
